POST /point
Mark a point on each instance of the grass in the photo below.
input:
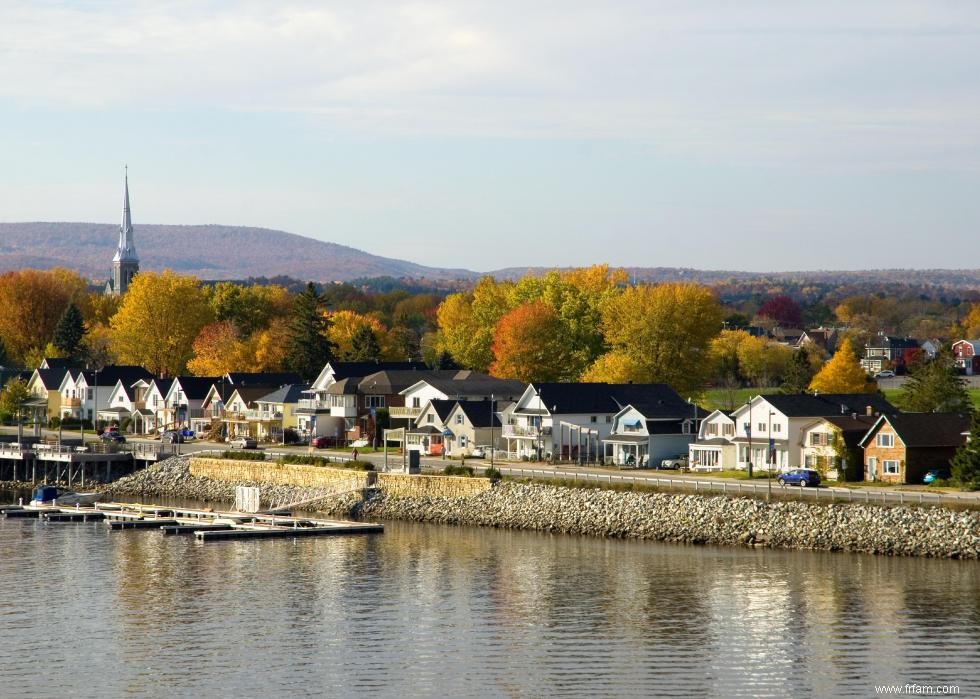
(893, 395)
(731, 398)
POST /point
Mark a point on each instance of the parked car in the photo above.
(678, 461)
(887, 374)
(800, 476)
(479, 452)
(243, 443)
(113, 438)
(323, 441)
(937, 474)
(172, 437)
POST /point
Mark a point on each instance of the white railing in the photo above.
(263, 415)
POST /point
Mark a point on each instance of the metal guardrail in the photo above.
(735, 488)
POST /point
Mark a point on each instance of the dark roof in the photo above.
(475, 384)
(389, 382)
(112, 373)
(52, 378)
(929, 429)
(285, 394)
(443, 408)
(665, 426)
(652, 399)
(197, 387)
(61, 363)
(852, 427)
(344, 370)
(263, 378)
(163, 385)
(250, 394)
(890, 342)
(827, 404)
(480, 413)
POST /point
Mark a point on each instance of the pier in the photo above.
(204, 525)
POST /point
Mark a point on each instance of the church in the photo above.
(125, 263)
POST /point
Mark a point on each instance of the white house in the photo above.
(642, 436)
(714, 449)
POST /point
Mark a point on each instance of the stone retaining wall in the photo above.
(417, 486)
(299, 475)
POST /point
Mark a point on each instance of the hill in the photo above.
(206, 252)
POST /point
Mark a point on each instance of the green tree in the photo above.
(160, 317)
(69, 332)
(13, 398)
(308, 348)
(936, 388)
(799, 373)
(364, 345)
(966, 462)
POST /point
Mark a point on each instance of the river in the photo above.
(425, 610)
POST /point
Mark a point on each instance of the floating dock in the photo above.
(205, 525)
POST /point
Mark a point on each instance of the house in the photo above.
(769, 429)
(473, 423)
(154, 401)
(930, 348)
(429, 433)
(275, 412)
(84, 393)
(45, 385)
(831, 445)
(824, 338)
(236, 411)
(714, 449)
(646, 433)
(903, 448)
(455, 385)
(887, 352)
(569, 419)
(966, 355)
(184, 403)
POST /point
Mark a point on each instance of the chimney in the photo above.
(869, 411)
(854, 416)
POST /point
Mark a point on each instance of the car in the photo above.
(887, 374)
(172, 437)
(678, 461)
(937, 474)
(323, 441)
(800, 476)
(479, 452)
(113, 438)
(243, 443)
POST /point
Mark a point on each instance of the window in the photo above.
(88, 394)
(885, 440)
(374, 401)
(459, 418)
(746, 427)
(609, 418)
(416, 402)
(462, 441)
(430, 418)
(728, 429)
(818, 439)
(712, 429)
(762, 427)
(889, 467)
(593, 419)
(777, 427)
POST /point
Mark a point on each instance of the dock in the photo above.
(204, 525)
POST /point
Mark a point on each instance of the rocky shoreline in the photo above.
(898, 531)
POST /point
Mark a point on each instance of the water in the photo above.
(428, 610)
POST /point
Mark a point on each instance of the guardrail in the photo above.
(757, 490)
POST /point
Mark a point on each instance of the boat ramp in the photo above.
(204, 524)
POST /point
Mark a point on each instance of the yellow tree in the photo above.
(160, 317)
(461, 335)
(843, 374)
(971, 324)
(763, 361)
(664, 330)
(345, 325)
(612, 367)
(269, 346)
(32, 303)
(218, 350)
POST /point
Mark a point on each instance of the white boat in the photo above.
(52, 495)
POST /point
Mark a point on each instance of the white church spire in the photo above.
(127, 248)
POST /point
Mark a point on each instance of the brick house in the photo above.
(902, 448)
(967, 356)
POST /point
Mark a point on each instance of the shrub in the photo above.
(244, 455)
(452, 470)
(54, 423)
(493, 474)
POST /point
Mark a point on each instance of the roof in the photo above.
(391, 381)
(343, 370)
(59, 363)
(652, 400)
(480, 413)
(250, 394)
(163, 385)
(926, 429)
(197, 387)
(263, 378)
(443, 408)
(890, 341)
(285, 394)
(51, 378)
(852, 427)
(109, 374)
(471, 383)
(828, 404)
(975, 344)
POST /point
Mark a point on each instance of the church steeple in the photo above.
(125, 263)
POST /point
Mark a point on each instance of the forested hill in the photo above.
(206, 252)
(239, 252)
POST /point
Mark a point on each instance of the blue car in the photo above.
(936, 474)
(800, 476)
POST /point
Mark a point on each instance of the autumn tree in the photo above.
(527, 345)
(615, 366)
(843, 373)
(465, 337)
(219, 350)
(307, 347)
(248, 308)
(160, 317)
(69, 331)
(971, 324)
(348, 327)
(782, 310)
(936, 387)
(664, 332)
(33, 302)
(269, 346)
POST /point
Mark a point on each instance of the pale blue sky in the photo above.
(761, 136)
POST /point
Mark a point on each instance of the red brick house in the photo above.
(902, 448)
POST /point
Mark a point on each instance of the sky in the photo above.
(759, 136)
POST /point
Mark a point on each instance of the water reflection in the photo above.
(427, 610)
